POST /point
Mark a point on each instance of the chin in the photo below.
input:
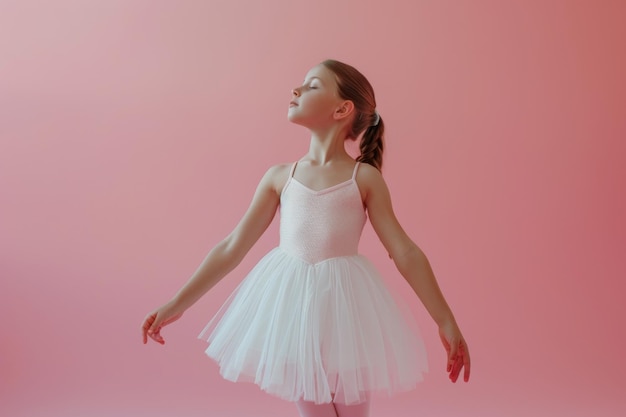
(296, 120)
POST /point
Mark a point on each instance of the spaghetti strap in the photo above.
(356, 168)
(293, 169)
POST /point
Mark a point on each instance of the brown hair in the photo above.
(353, 86)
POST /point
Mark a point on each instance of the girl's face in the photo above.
(315, 101)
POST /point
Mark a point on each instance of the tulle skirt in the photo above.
(323, 332)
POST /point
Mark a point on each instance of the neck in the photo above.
(327, 146)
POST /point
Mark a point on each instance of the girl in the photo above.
(312, 322)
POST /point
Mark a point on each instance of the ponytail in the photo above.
(352, 85)
(372, 145)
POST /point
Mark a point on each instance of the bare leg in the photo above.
(357, 410)
(310, 409)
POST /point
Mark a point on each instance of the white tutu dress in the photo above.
(313, 320)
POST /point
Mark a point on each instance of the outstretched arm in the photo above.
(415, 268)
(224, 257)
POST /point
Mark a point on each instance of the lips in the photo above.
(293, 103)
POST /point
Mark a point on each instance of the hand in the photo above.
(456, 348)
(156, 320)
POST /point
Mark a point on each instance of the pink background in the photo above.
(133, 134)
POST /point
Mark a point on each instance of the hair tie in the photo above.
(376, 118)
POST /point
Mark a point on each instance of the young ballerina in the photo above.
(313, 322)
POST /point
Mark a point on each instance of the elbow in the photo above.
(231, 251)
(408, 258)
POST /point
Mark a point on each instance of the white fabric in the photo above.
(304, 323)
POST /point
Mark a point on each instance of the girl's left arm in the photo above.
(414, 267)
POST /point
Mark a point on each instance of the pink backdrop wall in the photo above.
(133, 133)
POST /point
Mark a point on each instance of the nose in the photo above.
(295, 92)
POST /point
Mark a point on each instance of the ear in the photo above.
(344, 110)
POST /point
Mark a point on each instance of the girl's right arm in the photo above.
(225, 256)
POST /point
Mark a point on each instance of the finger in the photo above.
(456, 369)
(452, 355)
(145, 326)
(464, 361)
(452, 371)
(155, 326)
(467, 365)
(156, 336)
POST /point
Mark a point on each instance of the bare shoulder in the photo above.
(276, 176)
(369, 173)
(370, 181)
